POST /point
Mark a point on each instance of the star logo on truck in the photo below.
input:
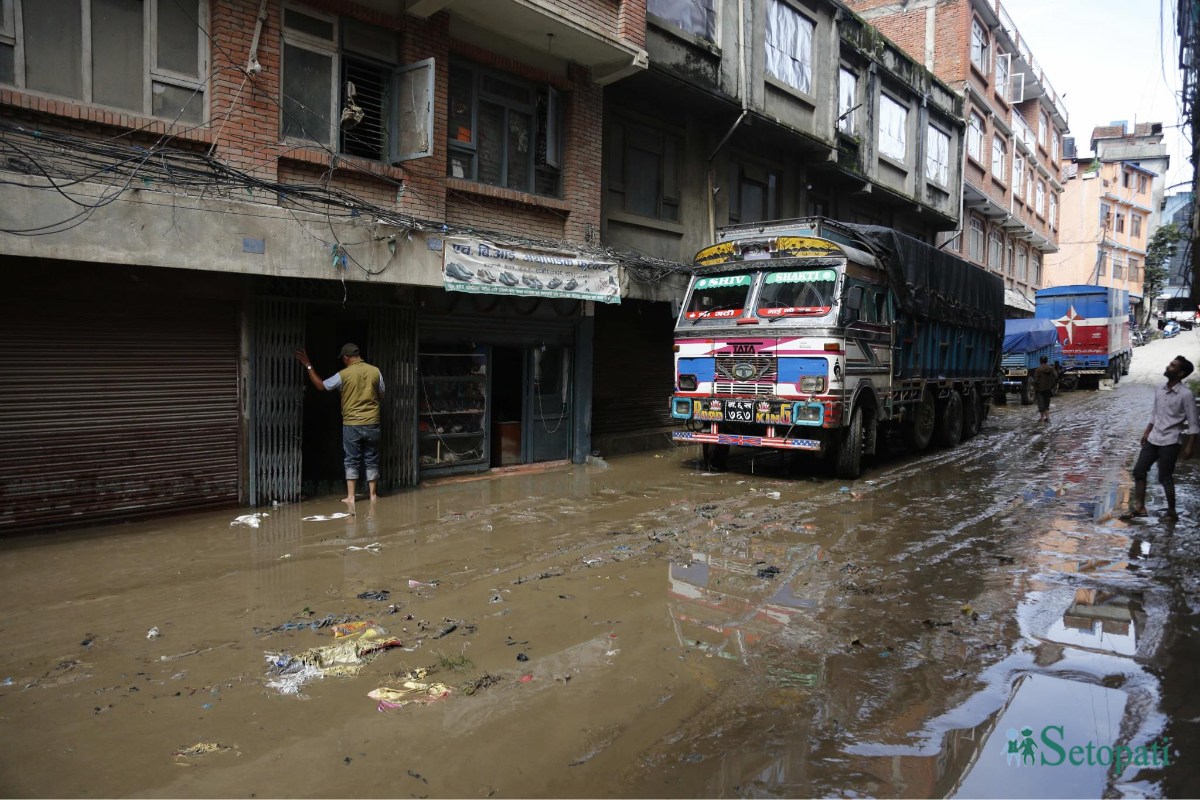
(1066, 325)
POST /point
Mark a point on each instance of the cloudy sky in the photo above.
(1110, 60)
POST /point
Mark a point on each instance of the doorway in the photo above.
(508, 383)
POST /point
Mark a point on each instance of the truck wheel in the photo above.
(1068, 382)
(850, 448)
(918, 428)
(1125, 359)
(1000, 397)
(716, 456)
(972, 414)
(1026, 393)
(950, 421)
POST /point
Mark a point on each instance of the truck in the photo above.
(1181, 309)
(1025, 342)
(1093, 329)
(821, 337)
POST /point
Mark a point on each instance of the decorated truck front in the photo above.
(811, 335)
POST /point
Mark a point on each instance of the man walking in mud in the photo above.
(1172, 430)
(1045, 379)
(362, 388)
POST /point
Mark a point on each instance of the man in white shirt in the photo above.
(1172, 429)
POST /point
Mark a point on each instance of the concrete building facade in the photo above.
(1015, 127)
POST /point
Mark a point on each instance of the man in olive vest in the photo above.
(362, 388)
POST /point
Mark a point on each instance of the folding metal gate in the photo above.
(392, 341)
(276, 398)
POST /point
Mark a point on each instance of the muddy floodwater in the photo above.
(635, 627)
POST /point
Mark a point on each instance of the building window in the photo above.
(1135, 225)
(697, 17)
(789, 45)
(1105, 216)
(893, 124)
(937, 156)
(1029, 184)
(1022, 268)
(1018, 175)
(643, 170)
(996, 252)
(1119, 226)
(1043, 130)
(1126, 179)
(1036, 277)
(1134, 269)
(1118, 267)
(1054, 146)
(975, 244)
(1039, 204)
(147, 57)
(1053, 210)
(999, 157)
(1101, 264)
(975, 137)
(1003, 62)
(753, 193)
(504, 131)
(337, 81)
(847, 101)
(980, 46)
(1143, 184)
(1012, 261)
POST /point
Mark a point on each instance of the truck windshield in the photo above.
(719, 297)
(797, 293)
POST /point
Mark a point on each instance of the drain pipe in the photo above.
(743, 89)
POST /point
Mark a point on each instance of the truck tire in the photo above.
(716, 456)
(918, 428)
(1026, 393)
(850, 448)
(972, 414)
(950, 421)
(1125, 359)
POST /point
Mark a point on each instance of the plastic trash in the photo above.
(419, 584)
(153, 633)
(380, 594)
(373, 547)
(326, 517)
(249, 520)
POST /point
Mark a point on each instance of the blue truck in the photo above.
(1025, 342)
(1093, 329)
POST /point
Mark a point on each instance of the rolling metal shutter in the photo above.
(115, 408)
(634, 371)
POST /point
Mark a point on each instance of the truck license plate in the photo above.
(739, 410)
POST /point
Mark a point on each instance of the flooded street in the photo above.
(634, 628)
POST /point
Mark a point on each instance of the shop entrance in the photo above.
(508, 395)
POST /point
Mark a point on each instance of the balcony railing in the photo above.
(1032, 68)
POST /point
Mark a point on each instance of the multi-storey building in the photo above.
(1110, 208)
(1015, 125)
(493, 198)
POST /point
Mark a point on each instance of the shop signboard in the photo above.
(483, 267)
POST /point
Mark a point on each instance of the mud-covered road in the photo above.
(639, 628)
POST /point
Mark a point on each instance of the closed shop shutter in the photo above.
(634, 367)
(116, 408)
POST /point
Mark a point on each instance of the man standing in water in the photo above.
(362, 388)
(1044, 378)
(1173, 427)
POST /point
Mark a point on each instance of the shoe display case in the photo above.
(452, 416)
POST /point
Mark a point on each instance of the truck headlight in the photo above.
(681, 408)
(808, 412)
(687, 383)
(812, 384)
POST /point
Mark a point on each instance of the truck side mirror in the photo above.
(854, 301)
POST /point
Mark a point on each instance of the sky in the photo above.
(1110, 60)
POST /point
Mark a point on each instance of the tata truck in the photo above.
(1093, 329)
(821, 337)
(1025, 342)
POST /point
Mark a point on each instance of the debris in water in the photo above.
(153, 633)
(249, 520)
(381, 595)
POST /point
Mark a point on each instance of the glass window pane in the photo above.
(461, 82)
(7, 71)
(514, 93)
(54, 47)
(641, 188)
(789, 46)
(303, 23)
(491, 144)
(118, 68)
(520, 152)
(179, 36)
(307, 89)
(694, 16)
(177, 102)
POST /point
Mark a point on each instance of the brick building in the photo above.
(1015, 125)
(496, 199)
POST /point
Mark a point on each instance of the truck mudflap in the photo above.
(747, 440)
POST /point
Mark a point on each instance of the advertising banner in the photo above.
(482, 267)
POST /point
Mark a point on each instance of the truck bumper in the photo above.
(747, 440)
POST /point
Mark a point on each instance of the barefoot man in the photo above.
(1170, 434)
(362, 388)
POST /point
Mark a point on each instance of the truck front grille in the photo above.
(749, 374)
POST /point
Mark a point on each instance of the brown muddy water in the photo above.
(639, 628)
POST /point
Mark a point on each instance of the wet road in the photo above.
(637, 629)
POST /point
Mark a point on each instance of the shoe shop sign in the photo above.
(481, 267)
